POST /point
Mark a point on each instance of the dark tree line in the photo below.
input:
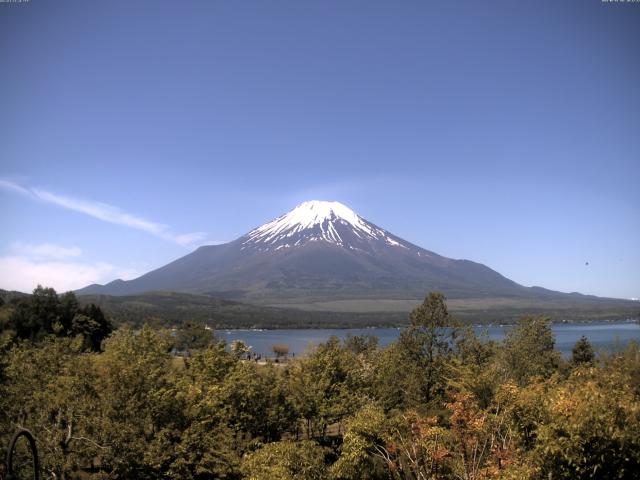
(46, 313)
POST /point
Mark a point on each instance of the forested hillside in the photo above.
(171, 309)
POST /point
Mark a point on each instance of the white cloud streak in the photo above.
(107, 213)
(44, 250)
(55, 266)
(24, 274)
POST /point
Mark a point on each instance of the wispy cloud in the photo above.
(106, 213)
(14, 187)
(55, 266)
(44, 250)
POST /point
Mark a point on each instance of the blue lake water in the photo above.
(603, 336)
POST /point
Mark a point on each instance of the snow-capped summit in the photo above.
(317, 221)
(315, 212)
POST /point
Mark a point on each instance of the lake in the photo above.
(602, 335)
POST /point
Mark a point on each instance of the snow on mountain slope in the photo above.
(315, 221)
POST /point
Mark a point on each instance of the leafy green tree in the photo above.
(35, 317)
(397, 378)
(207, 368)
(140, 403)
(50, 389)
(590, 428)
(93, 327)
(211, 445)
(529, 350)
(361, 344)
(67, 309)
(582, 352)
(414, 368)
(285, 460)
(429, 341)
(474, 368)
(7, 321)
(626, 362)
(101, 326)
(363, 446)
(326, 386)
(86, 327)
(193, 336)
(45, 313)
(253, 400)
(473, 349)
(207, 449)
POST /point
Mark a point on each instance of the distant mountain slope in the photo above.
(168, 308)
(174, 308)
(320, 252)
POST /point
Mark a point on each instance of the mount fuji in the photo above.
(318, 253)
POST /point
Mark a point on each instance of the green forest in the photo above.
(439, 403)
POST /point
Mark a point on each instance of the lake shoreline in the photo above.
(405, 325)
(603, 335)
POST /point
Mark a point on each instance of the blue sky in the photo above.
(503, 132)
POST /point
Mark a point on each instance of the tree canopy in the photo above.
(47, 313)
(439, 403)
